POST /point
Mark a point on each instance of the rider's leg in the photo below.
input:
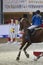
(31, 29)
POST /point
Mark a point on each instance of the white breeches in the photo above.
(32, 27)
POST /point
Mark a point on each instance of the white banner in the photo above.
(22, 5)
(7, 29)
(4, 29)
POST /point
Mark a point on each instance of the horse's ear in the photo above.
(21, 26)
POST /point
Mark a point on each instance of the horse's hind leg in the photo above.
(23, 43)
(28, 44)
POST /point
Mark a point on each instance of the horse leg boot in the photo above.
(27, 55)
(18, 57)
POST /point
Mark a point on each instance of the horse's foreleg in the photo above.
(27, 55)
(18, 57)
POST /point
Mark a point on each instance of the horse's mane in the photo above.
(24, 23)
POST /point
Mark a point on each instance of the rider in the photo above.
(36, 21)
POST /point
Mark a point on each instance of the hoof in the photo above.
(17, 58)
(27, 55)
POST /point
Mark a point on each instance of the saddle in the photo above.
(33, 31)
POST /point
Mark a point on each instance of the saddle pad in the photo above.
(40, 28)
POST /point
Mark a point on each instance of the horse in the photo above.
(26, 38)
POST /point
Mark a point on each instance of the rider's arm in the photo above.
(33, 19)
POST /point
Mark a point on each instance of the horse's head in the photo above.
(24, 23)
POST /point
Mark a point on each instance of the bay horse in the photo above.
(36, 38)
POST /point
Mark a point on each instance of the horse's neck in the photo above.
(24, 29)
(25, 26)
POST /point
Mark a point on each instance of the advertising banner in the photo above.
(7, 31)
(4, 31)
(22, 5)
